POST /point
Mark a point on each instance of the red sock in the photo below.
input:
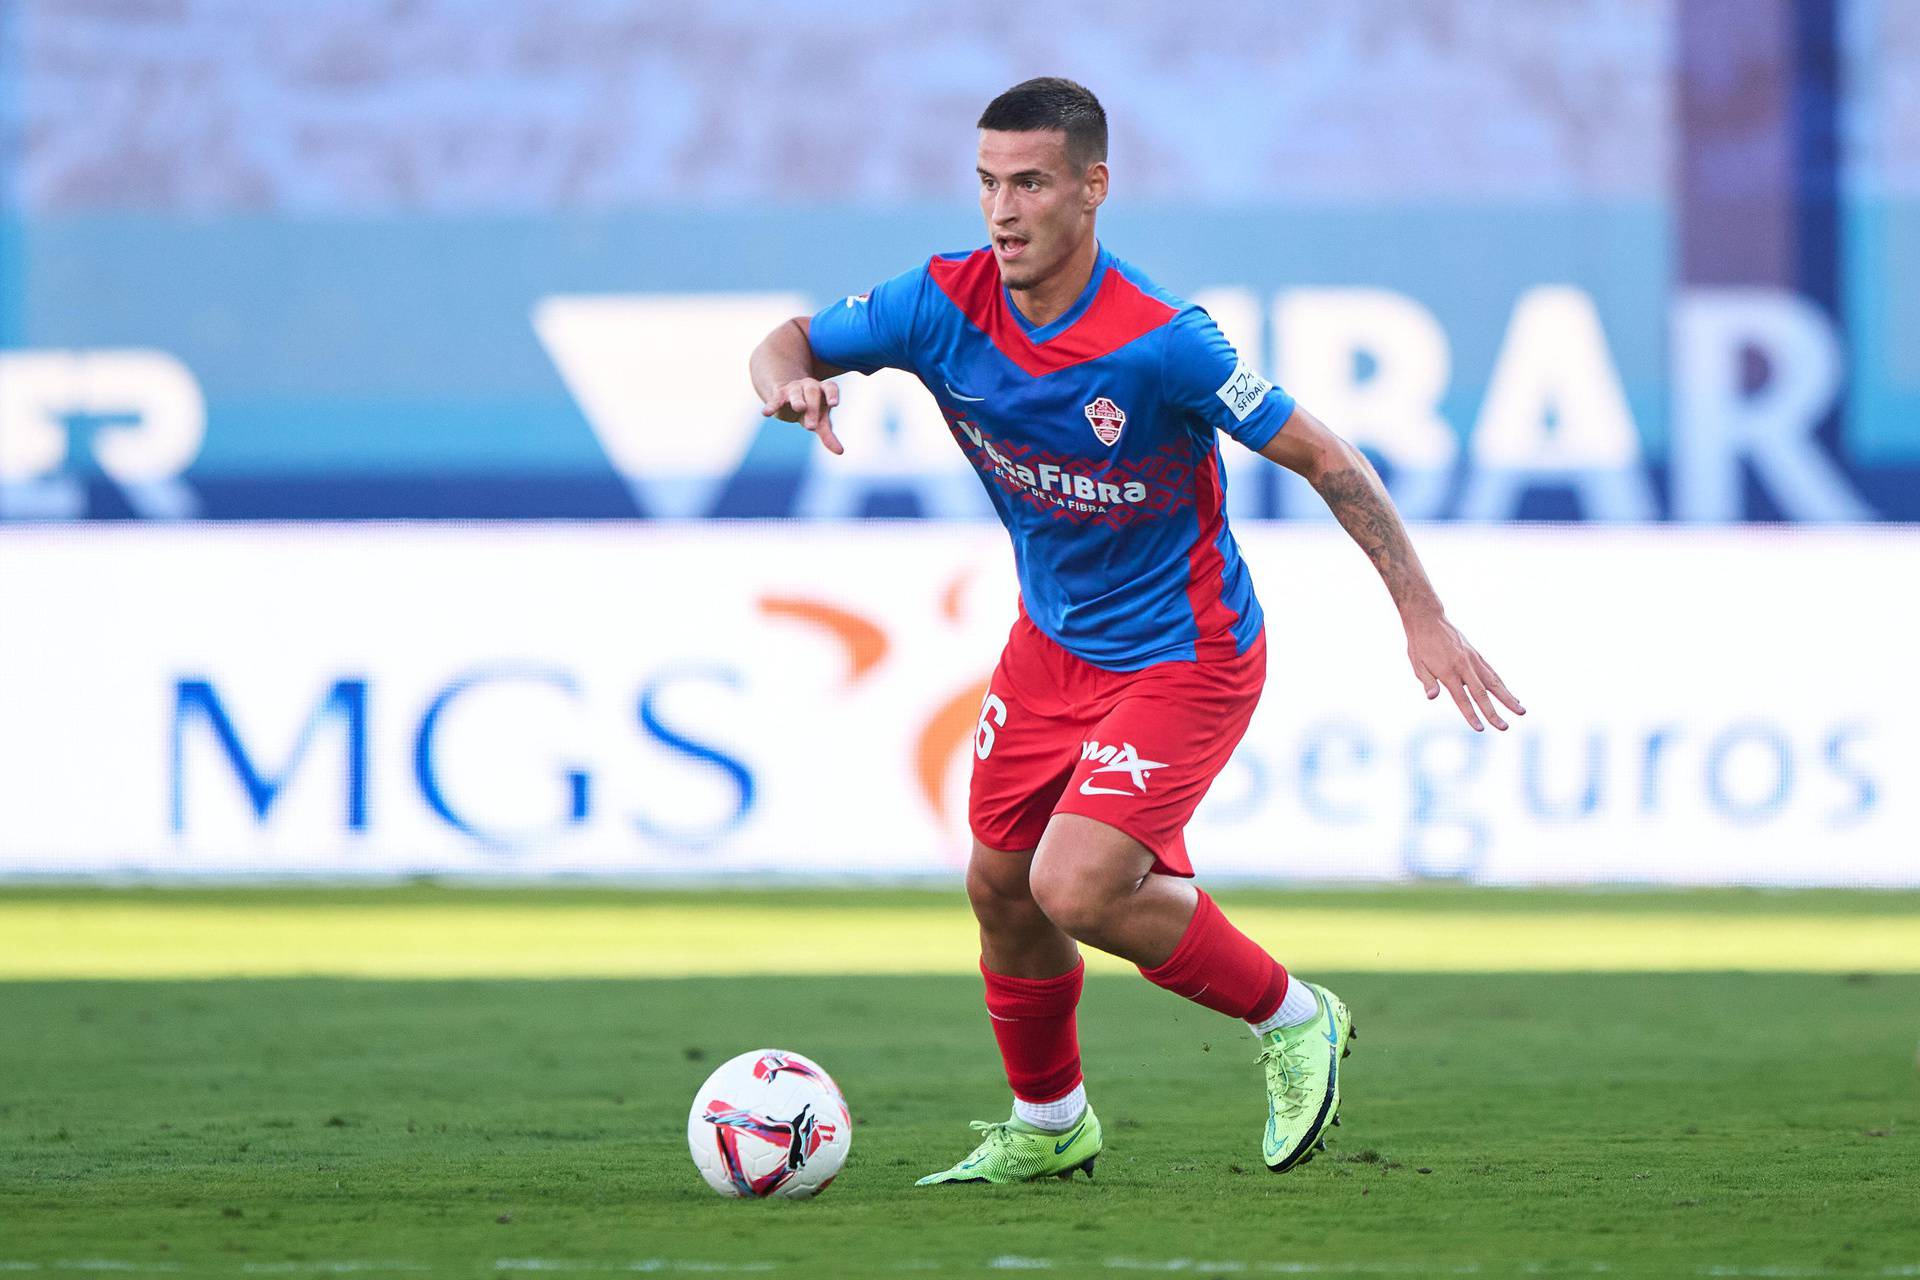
(1033, 1021)
(1222, 968)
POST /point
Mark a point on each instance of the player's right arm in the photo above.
(792, 382)
(862, 333)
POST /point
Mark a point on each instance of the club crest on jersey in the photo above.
(1107, 420)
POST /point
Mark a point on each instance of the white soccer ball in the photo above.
(769, 1123)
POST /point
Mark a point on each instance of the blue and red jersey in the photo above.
(1096, 436)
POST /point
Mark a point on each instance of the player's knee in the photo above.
(1073, 897)
(1001, 900)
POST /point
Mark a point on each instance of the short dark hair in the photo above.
(1050, 102)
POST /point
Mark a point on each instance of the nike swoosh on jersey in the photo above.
(957, 396)
(1088, 789)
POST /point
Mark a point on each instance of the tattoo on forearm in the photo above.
(1359, 501)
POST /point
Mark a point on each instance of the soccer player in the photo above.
(1089, 400)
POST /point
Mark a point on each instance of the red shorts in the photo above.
(1133, 749)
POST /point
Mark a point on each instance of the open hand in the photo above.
(809, 402)
(1442, 659)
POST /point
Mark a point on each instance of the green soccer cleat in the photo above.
(1015, 1151)
(1303, 1082)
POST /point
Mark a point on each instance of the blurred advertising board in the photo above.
(1500, 360)
(715, 700)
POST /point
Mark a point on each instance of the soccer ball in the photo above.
(769, 1123)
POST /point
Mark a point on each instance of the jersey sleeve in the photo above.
(872, 330)
(1208, 378)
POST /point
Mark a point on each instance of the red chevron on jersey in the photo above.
(1119, 313)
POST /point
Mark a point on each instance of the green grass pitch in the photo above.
(1524, 1123)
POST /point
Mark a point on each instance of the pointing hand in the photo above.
(809, 402)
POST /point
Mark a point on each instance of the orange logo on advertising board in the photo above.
(946, 731)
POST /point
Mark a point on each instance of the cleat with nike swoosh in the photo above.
(1015, 1151)
(1302, 1065)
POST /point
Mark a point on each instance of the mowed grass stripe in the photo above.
(1512, 1124)
(115, 938)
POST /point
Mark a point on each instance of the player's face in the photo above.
(1039, 208)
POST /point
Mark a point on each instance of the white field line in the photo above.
(1004, 1262)
(644, 1265)
(330, 1268)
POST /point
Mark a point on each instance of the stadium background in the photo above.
(439, 720)
(1624, 297)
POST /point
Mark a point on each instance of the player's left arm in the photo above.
(1441, 656)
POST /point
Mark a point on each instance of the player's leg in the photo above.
(1111, 871)
(1031, 969)
(1016, 938)
(1033, 974)
(1105, 888)
(1110, 891)
(1111, 867)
